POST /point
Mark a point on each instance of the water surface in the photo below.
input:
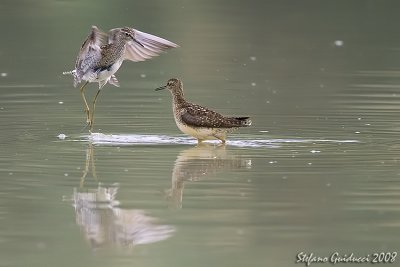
(317, 172)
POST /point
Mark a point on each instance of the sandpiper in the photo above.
(102, 54)
(200, 122)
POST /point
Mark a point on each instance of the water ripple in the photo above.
(147, 139)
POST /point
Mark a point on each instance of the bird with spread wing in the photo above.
(102, 54)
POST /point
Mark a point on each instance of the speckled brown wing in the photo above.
(89, 54)
(198, 116)
(90, 48)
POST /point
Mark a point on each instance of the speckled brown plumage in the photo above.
(198, 121)
(198, 116)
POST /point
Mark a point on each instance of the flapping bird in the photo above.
(102, 54)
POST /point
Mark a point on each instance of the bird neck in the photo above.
(178, 97)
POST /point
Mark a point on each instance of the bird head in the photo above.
(174, 85)
(128, 34)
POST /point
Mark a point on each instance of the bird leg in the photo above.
(221, 138)
(89, 162)
(93, 109)
(86, 108)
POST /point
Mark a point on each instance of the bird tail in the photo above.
(72, 72)
(244, 121)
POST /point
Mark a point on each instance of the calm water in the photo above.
(318, 172)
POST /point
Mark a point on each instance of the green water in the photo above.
(318, 171)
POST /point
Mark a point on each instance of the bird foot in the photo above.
(89, 120)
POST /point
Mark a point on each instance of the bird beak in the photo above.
(160, 88)
(139, 43)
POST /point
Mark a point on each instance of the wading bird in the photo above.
(200, 122)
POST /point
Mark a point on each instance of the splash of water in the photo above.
(143, 139)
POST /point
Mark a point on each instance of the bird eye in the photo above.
(127, 34)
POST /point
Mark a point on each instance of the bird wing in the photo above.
(198, 116)
(147, 46)
(90, 51)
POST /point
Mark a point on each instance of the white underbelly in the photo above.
(106, 74)
(199, 133)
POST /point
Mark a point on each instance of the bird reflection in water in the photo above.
(197, 163)
(104, 224)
